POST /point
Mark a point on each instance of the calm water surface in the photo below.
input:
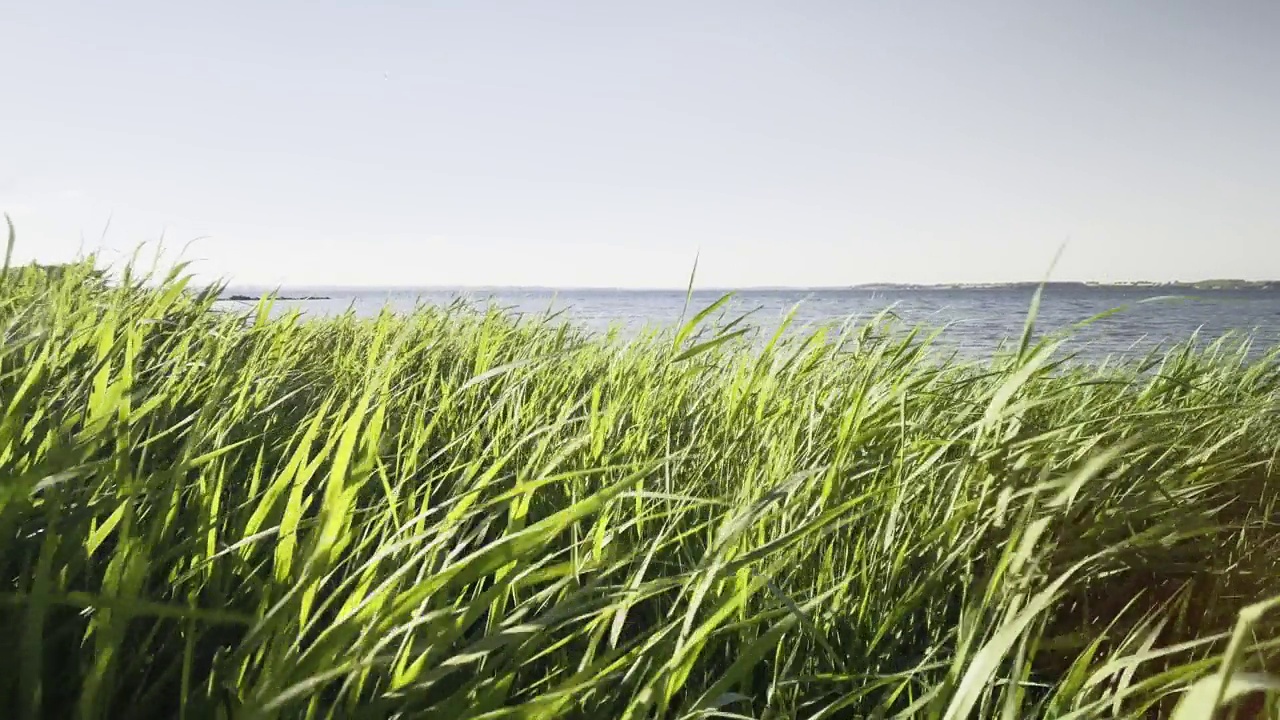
(976, 319)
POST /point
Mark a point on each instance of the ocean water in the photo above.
(974, 321)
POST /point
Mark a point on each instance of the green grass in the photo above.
(455, 514)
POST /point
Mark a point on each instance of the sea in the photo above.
(973, 321)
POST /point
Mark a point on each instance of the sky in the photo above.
(606, 144)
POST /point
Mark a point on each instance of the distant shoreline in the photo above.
(1199, 285)
(256, 298)
(1139, 284)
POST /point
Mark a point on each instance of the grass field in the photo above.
(452, 514)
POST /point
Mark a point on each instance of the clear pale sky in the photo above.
(593, 143)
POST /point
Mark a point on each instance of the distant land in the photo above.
(1140, 284)
(255, 298)
(304, 293)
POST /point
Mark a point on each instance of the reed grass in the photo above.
(457, 514)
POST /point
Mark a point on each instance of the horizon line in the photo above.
(757, 288)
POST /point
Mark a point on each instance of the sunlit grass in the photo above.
(451, 514)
